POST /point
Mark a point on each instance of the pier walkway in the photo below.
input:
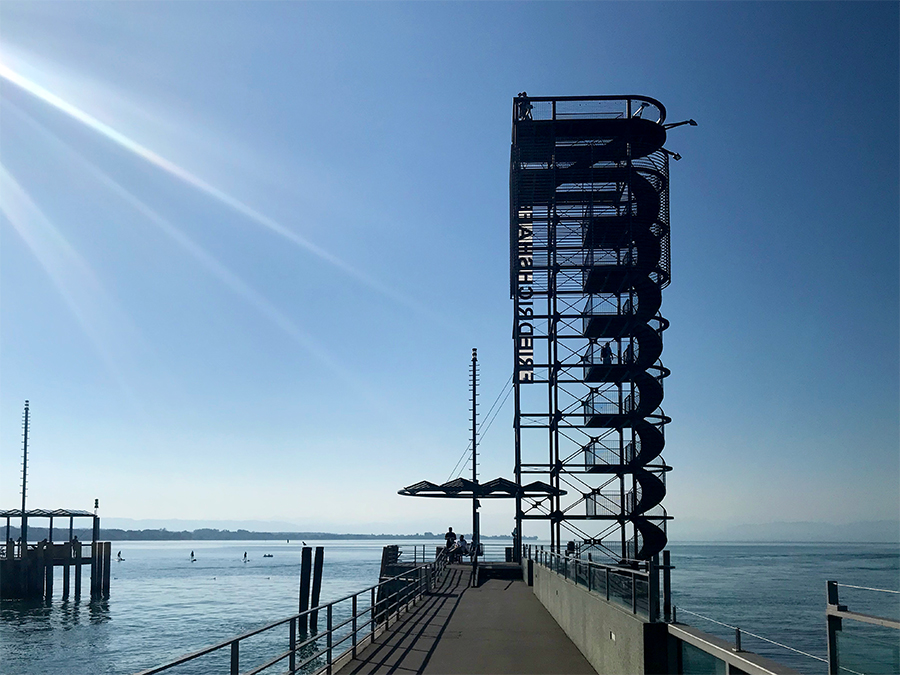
(499, 627)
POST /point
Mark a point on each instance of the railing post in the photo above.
(372, 612)
(607, 584)
(328, 637)
(590, 574)
(292, 643)
(667, 586)
(737, 640)
(834, 624)
(235, 658)
(355, 628)
(633, 594)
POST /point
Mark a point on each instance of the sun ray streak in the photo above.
(230, 279)
(73, 278)
(250, 213)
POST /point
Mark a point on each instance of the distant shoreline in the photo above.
(208, 534)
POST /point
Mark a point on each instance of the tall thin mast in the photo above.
(475, 523)
(24, 477)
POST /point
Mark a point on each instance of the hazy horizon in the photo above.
(884, 531)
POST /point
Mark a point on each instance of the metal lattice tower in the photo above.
(589, 257)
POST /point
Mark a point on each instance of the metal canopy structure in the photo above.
(589, 257)
(44, 513)
(498, 488)
(10, 514)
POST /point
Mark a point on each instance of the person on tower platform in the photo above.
(606, 354)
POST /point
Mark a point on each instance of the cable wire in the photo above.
(759, 637)
(495, 401)
(489, 423)
(482, 429)
(866, 588)
(483, 433)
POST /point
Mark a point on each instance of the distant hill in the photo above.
(874, 531)
(209, 534)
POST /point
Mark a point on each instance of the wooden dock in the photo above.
(497, 627)
(26, 569)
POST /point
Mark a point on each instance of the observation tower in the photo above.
(589, 258)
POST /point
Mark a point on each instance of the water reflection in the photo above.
(99, 611)
(32, 612)
(69, 612)
(47, 614)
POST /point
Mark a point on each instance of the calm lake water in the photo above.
(162, 605)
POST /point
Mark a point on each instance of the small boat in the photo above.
(268, 555)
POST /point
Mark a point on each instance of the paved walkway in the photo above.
(498, 628)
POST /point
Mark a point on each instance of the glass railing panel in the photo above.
(697, 662)
(598, 580)
(642, 593)
(868, 649)
(581, 574)
(620, 589)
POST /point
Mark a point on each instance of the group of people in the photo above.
(456, 548)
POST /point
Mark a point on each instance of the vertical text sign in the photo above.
(524, 295)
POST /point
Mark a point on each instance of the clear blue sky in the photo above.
(246, 249)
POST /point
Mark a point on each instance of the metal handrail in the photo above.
(535, 554)
(420, 583)
(629, 101)
(569, 566)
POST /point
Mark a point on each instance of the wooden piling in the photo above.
(76, 551)
(316, 587)
(305, 570)
(107, 567)
(67, 566)
(96, 557)
(47, 562)
(95, 569)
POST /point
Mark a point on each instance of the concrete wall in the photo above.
(612, 639)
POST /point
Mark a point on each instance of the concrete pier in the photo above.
(498, 627)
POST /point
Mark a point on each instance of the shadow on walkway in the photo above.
(409, 644)
(500, 627)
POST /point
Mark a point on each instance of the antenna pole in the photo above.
(24, 478)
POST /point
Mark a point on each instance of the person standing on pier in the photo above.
(450, 538)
